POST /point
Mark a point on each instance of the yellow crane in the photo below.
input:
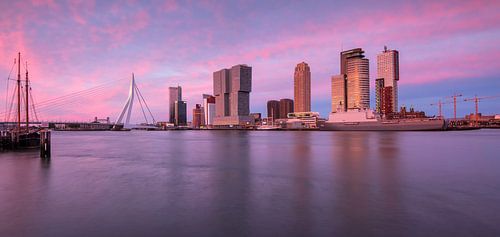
(476, 102)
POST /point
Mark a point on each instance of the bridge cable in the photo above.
(142, 108)
(140, 94)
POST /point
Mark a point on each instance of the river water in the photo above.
(255, 183)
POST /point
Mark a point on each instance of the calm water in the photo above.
(237, 183)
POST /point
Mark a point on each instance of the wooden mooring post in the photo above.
(45, 144)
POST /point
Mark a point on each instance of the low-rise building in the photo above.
(197, 116)
(299, 120)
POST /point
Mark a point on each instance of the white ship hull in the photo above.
(397, 125)
(367, 120)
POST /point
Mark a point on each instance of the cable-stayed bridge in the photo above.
(51, 108)
(123, 121)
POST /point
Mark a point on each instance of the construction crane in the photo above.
(440, 106)
(476, 102)
(454, 97)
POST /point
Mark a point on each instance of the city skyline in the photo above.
(457, 54)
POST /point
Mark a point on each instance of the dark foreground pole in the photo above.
(45, 144)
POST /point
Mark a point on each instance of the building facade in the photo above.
(388, 70)
(351, 89)
(339, 95)
(273, 109)
(221, 92)
(197, 116)
(386, 106)
(174, 94)
(300, 120)
(384, 101)
(286, 107)
(232, 89)
(208, 110)
(180, 113)
(358, 82)
(379, 86)
(302, 88)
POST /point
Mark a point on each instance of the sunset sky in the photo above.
(445, 47)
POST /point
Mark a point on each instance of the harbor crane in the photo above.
(454, 97)
(476, 102)
(440, 105)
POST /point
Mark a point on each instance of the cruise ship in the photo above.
(367, 120)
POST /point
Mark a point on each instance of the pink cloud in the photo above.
(170, 5)
(50, 3)
(437, 41)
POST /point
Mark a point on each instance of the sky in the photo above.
(446, 47)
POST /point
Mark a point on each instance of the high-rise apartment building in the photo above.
(351, 89)
(358, 81)
(174, 94)
(388, 70)
(302, 88)
(180, 113)
(273, 109)
(232, 89)
(339, 95)
(286, 107)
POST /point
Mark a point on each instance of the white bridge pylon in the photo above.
(127, 108)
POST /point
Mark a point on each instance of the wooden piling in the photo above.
(45, 144)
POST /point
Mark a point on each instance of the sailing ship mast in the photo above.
(19, 92)
(19, 95)
(27, 100)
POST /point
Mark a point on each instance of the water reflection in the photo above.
(251, 183)
(302, 185)
(367, 176)
(23, 189)
(45, 163)
(233, 182)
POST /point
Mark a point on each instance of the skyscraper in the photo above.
(174, 94)
(232, 89)
(351, 89)
(286, 107)
(180, 113)
(302, 88)
(241, 84)
(358, 80)
(273, 109)
(221, 92)
(339, 95)
(388, 70)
